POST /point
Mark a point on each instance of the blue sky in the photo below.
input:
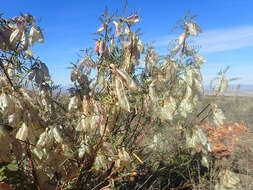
(227, 25)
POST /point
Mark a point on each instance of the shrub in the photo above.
(123, 126)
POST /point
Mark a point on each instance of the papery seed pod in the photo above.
(85, 105)
(67, 152)
(221, 86)
(201, 135)
(168, 109)
(192, 29)
(39, 77)
(181, 39)
(96, 49)
(44, 69)
(21, 23)
(42, 139)
(12, 119)
(72, 103)
(127, 80)
(127, 31)
(204, 161)
(185, 108)
(101, 28)
(101, 162)
(38, 152)
(93, 123)
(102, 48)
(29, 18)
(121, 94)
(35, 35)
(4, 102)
(140, 46)
(57, 135)
(112, 45)
(29, 53)
(31, 75)
(218, 116)
(119, 28)
(101, 80)
(81, 126)
(199, 60)
(175, 49)
(24, 41)
(74, 75)
(124, 158)
(132, 19)
(10, 71)
(84, 148)
(188, 76)
(25, 95)
(22, 133)
(109, 149)
(15, 36)
(229, 180)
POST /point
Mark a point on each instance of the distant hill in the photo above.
(244, 90)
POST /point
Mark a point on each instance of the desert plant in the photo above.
(120, 116)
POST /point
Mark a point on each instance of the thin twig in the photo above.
(31, 163)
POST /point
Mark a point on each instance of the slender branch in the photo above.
(6, 74)
(31, 163)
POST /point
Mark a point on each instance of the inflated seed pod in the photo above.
(121, 93)
(130, 84)
(22, 133)
(35, 35)
(4, 102)
(15, 36)
(57, 135)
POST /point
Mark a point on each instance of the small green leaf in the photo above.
(12, 166)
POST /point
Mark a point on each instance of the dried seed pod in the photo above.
(39, 77)
(218, 116)
(119, 28)
(132, 19)
(22, 133)
(15, 37)
(181, 39)
(31, 75)
(45, 70)
(42, 139)
(102, 48)
(35, 35)
(228, 180)
(101, 28)
(221, 86)
(4, 102)
(168, 109)
(121, 94)
(74, 75)
(29, 53)
(124, 159)
(96, 49)
(199, 60)
(57, 135)
(127, 80)
(73, 103)
(24, 41)
(193, 28)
